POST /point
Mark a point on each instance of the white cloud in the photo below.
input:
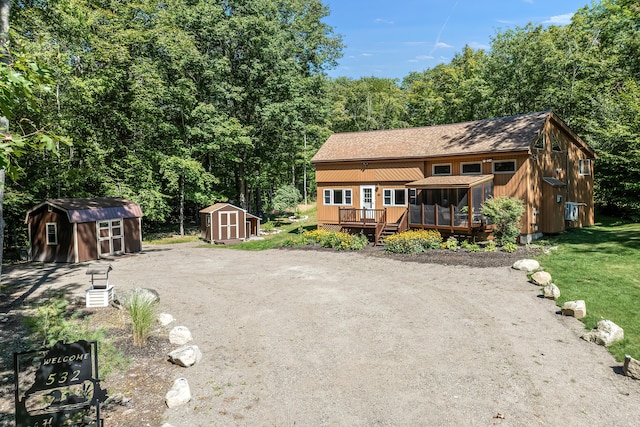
(384, 21)
(559, 19)
(476, 46)
(442, 45)
(504, 21)
(423, 57)
(367, 54)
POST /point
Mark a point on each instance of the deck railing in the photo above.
(364, 216)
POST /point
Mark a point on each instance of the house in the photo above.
(226, 223)
(79, 230)
(438, 177)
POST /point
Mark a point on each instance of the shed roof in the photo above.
(450, 181)
(507, 134)
(222, 205)
(93, 209)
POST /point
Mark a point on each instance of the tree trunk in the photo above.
(182, 205)
(4, 122)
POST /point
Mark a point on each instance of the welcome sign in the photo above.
(57, 386)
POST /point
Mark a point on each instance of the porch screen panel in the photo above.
(462, 202)
(429, 215)
(478, 200)
(444, 215)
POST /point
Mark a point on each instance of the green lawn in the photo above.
(601, 265)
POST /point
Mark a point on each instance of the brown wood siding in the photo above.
(87, 241)
(329, 214)
(225, 220)
(369, 172)
(205, 230)
(40, 251)
(132, 235)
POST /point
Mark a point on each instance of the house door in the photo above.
(367, 201)
(110, 237)
(228, 225)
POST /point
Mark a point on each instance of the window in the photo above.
(504, 166)
(471, 168)
(555, 144)
(341, 197)
(52, 233)
(395, 197)
(413, 196)
(539, 144)
(208, 221)
(444, 169)
(584, 166)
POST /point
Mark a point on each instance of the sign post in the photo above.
(57, 386)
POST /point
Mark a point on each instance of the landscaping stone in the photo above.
(180, 335)
(185, 356)
(631, 367)
(606, 333)
(527, 265)
(577, 309)
(179, 394)
(541, 278)
(165, 319)
(551, 291)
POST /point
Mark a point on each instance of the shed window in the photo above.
(471, 168)
(52, 233)
(208, 220)
(584, 167)
(504, 166)
(337, 196)
(555, 143)
(539, 144)
(442, 169)
(395, 197)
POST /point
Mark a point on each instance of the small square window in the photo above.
(395, 197)
(584, 166)
(504, 166)
(52, 233)
(442, 169)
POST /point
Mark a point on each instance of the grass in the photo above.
(601, 266)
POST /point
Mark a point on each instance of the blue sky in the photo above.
(387, 38)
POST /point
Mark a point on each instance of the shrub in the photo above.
(286, 197)
(471, 247)
(268, 226)
(510, 247)
(451, 244)
(505, 213)
(412, 242)
(142, 309)
(491, 246)
(339, 241)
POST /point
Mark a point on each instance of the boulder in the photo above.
(527, 265)
(179, 394)
(165, 319)
(541, 278)
(551, 291)
(605, 333)
(123, 299)
(185, 356)
(180, 335)
(577, 309)
(631, 367)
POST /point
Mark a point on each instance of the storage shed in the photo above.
(226, 223)
(78, 230)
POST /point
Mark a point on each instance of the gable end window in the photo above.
(504, 166)
(52, 233)
(444, 169)
(584, 166)
(555, 143)
(395, 197)
(539, 144)
(337, 196)
(471, 168)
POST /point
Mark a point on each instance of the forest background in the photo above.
(177, 104)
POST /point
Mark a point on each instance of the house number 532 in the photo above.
(63, 377)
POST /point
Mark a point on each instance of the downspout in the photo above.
(140, 230)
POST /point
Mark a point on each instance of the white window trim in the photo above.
(331, 195)
(515, 166)
(582, 161)
(470, 173)
(433, 169)
(393, 197)
(55, 229)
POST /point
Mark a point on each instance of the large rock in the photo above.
(165, 318)
(179, 394)
(577, 309)
(631, 367)
(541, 278)
(551, 291)
(180, 335)
(185, 356)
(527, 265)
(606, 333)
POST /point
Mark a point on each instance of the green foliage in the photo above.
(268, 226)
(335, 240)
(510, 247)
(450, 244)
(413, 241)
(471, 247)
(142, 310)
(606, 256)
(505, 214)
(48, 322)
(490, 246)
(286, 197)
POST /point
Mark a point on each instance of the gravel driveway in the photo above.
(310, 338)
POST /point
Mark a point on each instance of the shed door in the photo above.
(228, 225)
(110, 237)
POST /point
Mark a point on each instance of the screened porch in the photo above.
(451, 203)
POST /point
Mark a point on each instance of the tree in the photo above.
(286, 197)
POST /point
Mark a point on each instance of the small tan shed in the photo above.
(226, 223)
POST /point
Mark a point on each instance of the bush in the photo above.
(505, 213)
(412, 242)
(491, 246)
(471, 247)
(268, 226)
(142, 309)
(286, 197)
(510, 247)
(451, 244)
(338, 241)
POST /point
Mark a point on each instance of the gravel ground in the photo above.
(323, 338)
